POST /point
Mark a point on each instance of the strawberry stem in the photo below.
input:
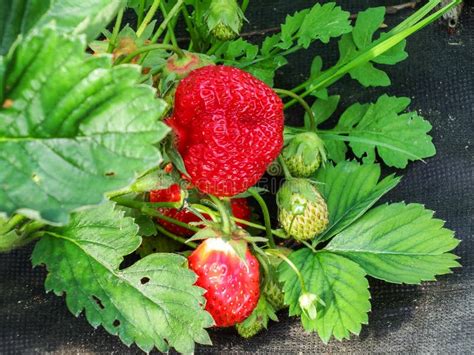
(312, 119)
(245, 4)
(12, 223)
(145, 209)
(151, 12)
(223, 211)
(175, 237)
(290, 264)
(175, 9)
(170, 26)
(286, 172)
(141, 9)
(115, 32)
(266, 216)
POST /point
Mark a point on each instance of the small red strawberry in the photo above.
(232, 285)
(228, 127)
(240, 209)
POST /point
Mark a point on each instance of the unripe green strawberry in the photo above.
(258, 320)
(304, 154)
(274, 293)
(303, 212)
(224, 19)
(273, 289)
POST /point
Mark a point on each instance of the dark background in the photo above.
(435, 317)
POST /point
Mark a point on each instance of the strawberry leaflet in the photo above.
(381, 127)
(350, 189)
(85, 16)
(338, 282)
(142, 303)
(399, 243)
(69, 119)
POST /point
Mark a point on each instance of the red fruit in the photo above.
(228, 127)
(240, 209)
(233, 287)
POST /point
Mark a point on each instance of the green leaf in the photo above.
(338, 282)
(289, 28)
(323, 109)
(361, 40)
(265, 70)
(143, 303)
(322, 23)
(85, 16)
(398, 138)
(368, 75)
(77, 127)
(336, 150)
(367, 23)
(399, 243)
(235, 49)
(350, 189)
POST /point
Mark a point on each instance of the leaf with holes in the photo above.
(338, 282)
(350, 189)
(72, 127)
(143, 303)
(399, 243)
(85, 16)
(397, 137)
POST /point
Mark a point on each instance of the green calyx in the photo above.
(304, 154)
(224, 19)
(303, 213)
(182, 66)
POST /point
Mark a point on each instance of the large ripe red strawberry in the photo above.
(232, 286)
(228, 127)
(240, 209)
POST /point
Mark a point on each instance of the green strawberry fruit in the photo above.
(224, 19)
(304, 154)
(258, 320)
(303, 212)
(272, 288)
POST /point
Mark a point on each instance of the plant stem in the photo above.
(163, 25)
(12, 223)
(214, 48)
(312, 119)
(32, 226)
(149, 48)
(141, 9)
(266, 216)
(286, 172)
(169, 26)
(212, 214)
(226, 224)
(175, 237)
(245, 4)
(143, 207)
(309, 246)
(115, 31)
(151, 12)
(189, 26)
(290, 264)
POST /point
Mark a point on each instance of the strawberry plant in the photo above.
(131, 160)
